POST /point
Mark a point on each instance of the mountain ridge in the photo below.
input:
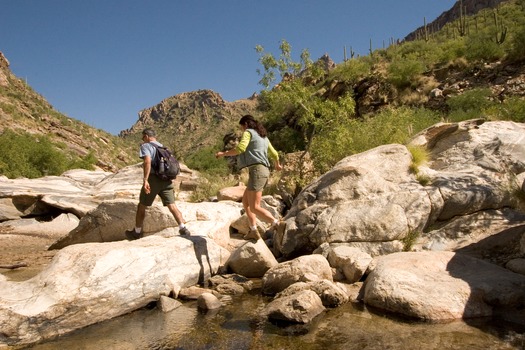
(191, 119)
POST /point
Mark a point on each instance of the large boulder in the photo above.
(351, 262)
(331, 294)
(307, 268)
(376, 196)
(251, 259)
(75, 191)
(233, 193)
(33, 197)
(462, 231)
(89, 283)
(369, 197)
(301, 307)
(57, 227)
(111, 218)
(441, 286)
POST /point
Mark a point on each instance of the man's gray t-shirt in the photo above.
(148, 150)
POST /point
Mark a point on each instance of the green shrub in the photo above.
(419, 156)
(204, 160)
(517, 44)
(8, 108)
(209, 185)
(409, 240)
(450, 50)
(461, 115)
(426, 53)
(287, 140)
(483, 47)
(25, 155)
(402, 73)
(474, 100)
(351, 71)
(34, 156)
(512, 109)
(333, 145)
(313, 118)
(395, 125)
(423, 179)
(88, 162)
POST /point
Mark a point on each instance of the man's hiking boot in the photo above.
(131, 235)
(252, 235)
(184, 231)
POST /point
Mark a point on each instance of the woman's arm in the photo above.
(273, 155)
(241, 147)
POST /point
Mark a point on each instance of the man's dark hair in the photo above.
(149, 132)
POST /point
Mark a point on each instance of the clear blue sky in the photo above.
(102, 61)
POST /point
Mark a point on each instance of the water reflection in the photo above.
(238, 326)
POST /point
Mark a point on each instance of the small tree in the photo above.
(285, 66)
(305, 109)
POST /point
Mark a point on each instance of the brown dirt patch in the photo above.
(24, 250)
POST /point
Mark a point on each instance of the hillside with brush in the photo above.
(37, 140)
(473, 67)
(467, 63)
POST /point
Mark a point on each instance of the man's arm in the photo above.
(146, 167)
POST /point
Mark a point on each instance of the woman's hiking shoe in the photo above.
(184, 231)
(252, 235)
(131, 235)
(280, 227)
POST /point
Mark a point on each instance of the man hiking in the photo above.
(153, 186)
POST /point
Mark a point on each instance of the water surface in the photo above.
(237, 325)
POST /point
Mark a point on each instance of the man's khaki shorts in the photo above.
(163, 188)
(258, 177)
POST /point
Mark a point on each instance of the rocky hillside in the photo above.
(192, 119)
(24, 110)
(470, 7)
(200, 119)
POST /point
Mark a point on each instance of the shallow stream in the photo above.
(237, 325)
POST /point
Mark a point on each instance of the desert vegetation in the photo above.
(305, 106)
(303, 117)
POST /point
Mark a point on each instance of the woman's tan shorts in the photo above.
(258, 177)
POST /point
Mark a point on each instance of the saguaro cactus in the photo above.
(425, 29)
(462, 24)
(501, 30)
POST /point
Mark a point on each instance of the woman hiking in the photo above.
(254, 151)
